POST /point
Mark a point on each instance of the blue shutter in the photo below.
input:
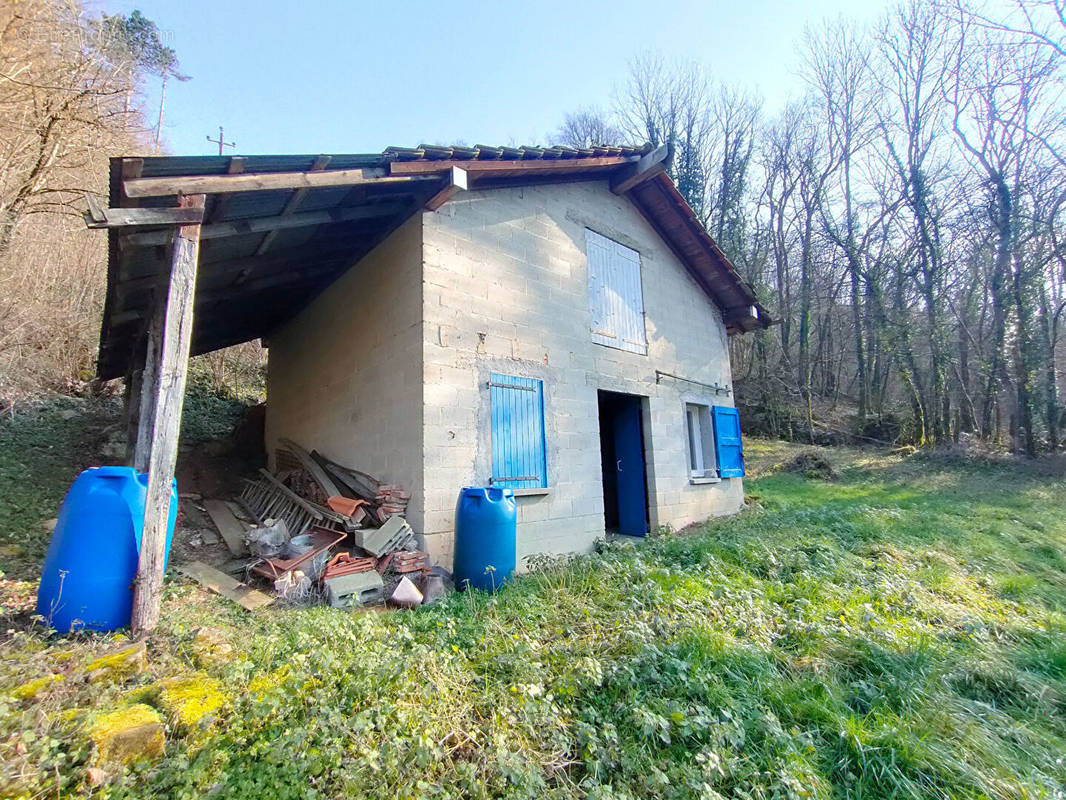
(727, 445)
(518, 460)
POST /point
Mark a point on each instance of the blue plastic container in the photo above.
(485, 524)
(87, 580)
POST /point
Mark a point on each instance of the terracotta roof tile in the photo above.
(481, 152)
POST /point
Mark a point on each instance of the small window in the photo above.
(518, 446)
(701, 458)
(616, 300)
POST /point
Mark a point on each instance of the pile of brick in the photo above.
(375, 567)
(391, 501)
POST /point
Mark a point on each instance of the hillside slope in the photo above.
(899, 630)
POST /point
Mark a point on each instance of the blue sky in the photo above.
(329, 76)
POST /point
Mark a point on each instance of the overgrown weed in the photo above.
(874, 637)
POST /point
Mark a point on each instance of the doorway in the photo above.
(625, 490)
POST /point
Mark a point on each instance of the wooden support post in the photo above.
(167, 394)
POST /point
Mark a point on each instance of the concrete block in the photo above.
(395, 534)
(355, 590)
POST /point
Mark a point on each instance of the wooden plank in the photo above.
(147, 395)
(229, 527)
(649, 165)
(95, 213)
(412, 168)
(218, 207)
(257, 182)
(457, 183)
(128, 217)
(262, 224)
(239, 511)
(169, 393)
(313, 468)
(293, 203)
(131, 407)
(219, 582)
(131, 168)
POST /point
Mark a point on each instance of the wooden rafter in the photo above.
(257, 182)
(263, 224)
(646, 168)
(236, 166)
(292, 204)
(457, 182)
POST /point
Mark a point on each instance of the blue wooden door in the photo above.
(629, 453)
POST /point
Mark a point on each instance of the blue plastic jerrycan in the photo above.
(87, 580)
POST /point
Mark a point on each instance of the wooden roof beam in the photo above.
(263, 224)
(97, 217)
(257, 182)
(647, 167)
(457, 183)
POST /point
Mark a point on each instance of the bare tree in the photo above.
(837, 70)
(587, 127)
(998, 105)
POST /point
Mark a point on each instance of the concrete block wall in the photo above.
(346, 377)
(505, 289)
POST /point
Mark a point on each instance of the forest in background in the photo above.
(71, 96)
(903, 218)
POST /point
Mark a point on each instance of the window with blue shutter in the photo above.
(727, 445)
(518, 448)
(701, 461)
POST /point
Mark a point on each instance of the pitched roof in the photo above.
(278, 230)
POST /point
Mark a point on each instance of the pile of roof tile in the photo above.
(360, 545)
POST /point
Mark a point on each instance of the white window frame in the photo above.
(699, 442)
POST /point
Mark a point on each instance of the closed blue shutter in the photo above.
(727, 445)
(518, 451)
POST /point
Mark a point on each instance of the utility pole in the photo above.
(221, 141)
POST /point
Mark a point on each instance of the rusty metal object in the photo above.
(274, 568)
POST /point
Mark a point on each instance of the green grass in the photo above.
(899, 632)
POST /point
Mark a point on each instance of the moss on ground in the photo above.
(898, 632)
(127, 735)
(191, 699)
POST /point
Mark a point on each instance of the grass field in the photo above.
(899, 631)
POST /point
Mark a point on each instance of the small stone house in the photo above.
(555, 321)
